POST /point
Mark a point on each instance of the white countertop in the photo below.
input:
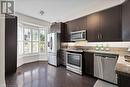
(122, 65)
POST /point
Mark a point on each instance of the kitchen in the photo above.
(104, 58)
(91, 50)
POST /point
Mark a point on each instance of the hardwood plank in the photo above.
(40, 74)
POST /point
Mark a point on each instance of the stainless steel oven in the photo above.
(74, 62)
(78, 35)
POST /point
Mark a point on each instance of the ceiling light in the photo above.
(42, 12)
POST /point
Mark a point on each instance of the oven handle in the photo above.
(77, 53)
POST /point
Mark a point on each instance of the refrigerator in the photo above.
(53, 48)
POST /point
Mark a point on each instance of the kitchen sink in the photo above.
(127, 58)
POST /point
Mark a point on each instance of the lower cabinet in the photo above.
(62, 57)
(88, 63)
(123, 81)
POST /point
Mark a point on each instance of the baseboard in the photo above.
(30, 62)
(42, 59)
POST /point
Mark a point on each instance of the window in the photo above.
(42, 41)
(35, 40)
(31, 40)
(20, 39)
(35, 34)
(27, 41)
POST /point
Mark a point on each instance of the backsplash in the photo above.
(113, 46)
(109, 44)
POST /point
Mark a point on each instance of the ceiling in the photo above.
(62, 10)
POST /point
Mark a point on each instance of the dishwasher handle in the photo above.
(106, 55)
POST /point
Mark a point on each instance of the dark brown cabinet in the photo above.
(62, 57)
(77, 24)
(123, 80)
(105, 25)
(93, 27)
(56, 27)
(88, 63)
(111, 24)
(10, 44)
(126, 21)
(59, 28)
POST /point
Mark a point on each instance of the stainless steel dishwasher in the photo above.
(104, 67)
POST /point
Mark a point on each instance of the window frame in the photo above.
(23, 26)
(34, 41)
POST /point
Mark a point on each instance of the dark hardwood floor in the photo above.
(40, 74)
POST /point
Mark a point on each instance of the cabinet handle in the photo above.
(98, 36)
(101, 36)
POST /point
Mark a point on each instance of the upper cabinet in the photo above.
(104, 25)
(110, 26)
(126, 21)
(93, 27)
(77, 24)
(56, 27)
(59, 28)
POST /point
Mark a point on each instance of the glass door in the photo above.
(74, 59)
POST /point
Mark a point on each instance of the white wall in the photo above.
(28, 19)
(28, 59)
(2, 51)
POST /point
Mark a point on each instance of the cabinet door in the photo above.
(93, 26)
(64, 36)
(10, 44)
(111, 24)
(123, 80)
(88, 63)
(59, 28)
(55, 27)
(80, 24)
(126, 20)
(62, 57)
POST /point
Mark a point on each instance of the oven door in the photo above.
(74, 60)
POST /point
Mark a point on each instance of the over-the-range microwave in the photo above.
(78, 35)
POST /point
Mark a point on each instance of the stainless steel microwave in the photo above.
(78, 35)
